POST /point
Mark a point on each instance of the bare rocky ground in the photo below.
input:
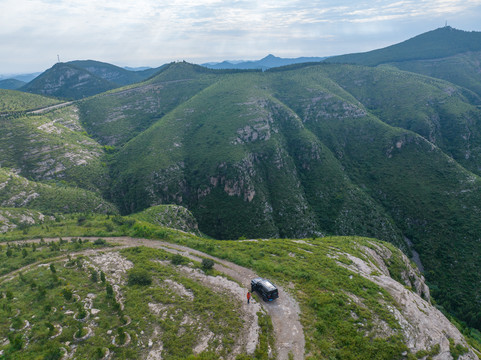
(284, 312)
(422, 324)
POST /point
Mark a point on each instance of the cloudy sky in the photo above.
(153, 32)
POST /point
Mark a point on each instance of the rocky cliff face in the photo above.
(424, 327)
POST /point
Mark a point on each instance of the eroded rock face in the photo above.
(422, 325)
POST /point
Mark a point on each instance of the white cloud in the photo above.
(152, 31)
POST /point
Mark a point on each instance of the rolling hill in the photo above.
(68, 81)
(83, 78)
(445, 53)
(299, 151)
(11, 84)
(309, 151)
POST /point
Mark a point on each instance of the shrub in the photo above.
(94, 277)
(100, 242)
(102, 276)
(52, 268)
(67, 294)
(110, 290)
(139, 277)
(16, 341)
(122, 335)
(207, 264)
(53, 354)
(178, 259)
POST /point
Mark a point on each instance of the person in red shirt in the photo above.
(248, 297)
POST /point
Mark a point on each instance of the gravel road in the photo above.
(284, 311)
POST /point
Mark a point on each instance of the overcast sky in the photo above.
(153, 32)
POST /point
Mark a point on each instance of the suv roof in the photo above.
(265, 283)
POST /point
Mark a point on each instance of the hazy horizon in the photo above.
(149, 33)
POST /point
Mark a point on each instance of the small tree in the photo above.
(52, 268)
(110, 290)
(50, 328)
(67, 294)
(24, 253)
(80, 331)
(122, 336)
(207, 264)
(81, 312)
(178, 259)
(102, 276)
(139, 277)
(94, 277)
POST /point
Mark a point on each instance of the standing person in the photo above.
(248, 297)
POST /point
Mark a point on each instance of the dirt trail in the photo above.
(284, 312)
(50, 108)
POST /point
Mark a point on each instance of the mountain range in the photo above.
(270, 61)
(304, 150)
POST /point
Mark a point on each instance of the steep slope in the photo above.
(12, 218)
(462, 69)
(436, 110)
(430, 197)
(435, 44)
(68, 81)
(16, 101)
(11, 84)
(18, 192)
(53, 146)
(309, 151)
(118, 116)
(444, 53)
(226, 147)
(171, 216)
(112, 73)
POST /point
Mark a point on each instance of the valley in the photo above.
(317, 175)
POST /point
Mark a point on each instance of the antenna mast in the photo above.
(58, 58)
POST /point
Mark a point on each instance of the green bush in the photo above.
(207, 264)
(100, 242)
(178, 259)
(139, 277)
(67, 294)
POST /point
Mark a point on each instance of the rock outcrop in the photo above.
(424, 327)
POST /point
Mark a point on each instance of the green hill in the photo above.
(115, 117)
(53, 146)
(68, 81)
(16, 101)
(444, 53)
(171, 216)
(435, 44)
(292, 152)
(113, 73)
(18, 192)
(303, 152)
(11, 84)
(463, 69)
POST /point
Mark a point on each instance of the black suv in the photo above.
(265, 288)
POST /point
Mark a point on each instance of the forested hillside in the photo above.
(301, 151)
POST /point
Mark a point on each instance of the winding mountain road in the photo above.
(284, 311)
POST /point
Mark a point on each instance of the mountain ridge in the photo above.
(267, 62)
